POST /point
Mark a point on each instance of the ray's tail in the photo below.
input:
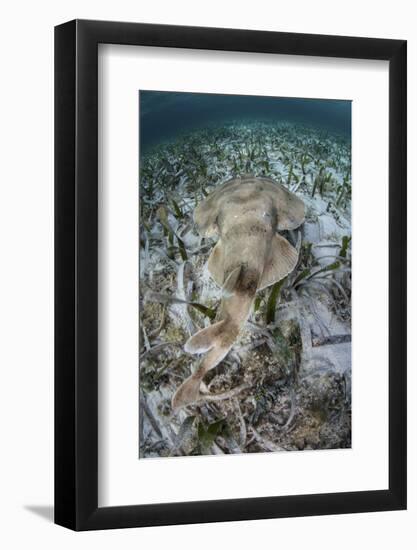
(211, 340)
(215, 340)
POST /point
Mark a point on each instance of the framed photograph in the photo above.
(230, 254)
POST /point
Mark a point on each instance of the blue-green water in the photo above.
(166, 115)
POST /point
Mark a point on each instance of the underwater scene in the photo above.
(244, 274)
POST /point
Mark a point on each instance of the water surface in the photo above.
(164, 116)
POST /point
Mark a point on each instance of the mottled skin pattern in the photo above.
(246, 214)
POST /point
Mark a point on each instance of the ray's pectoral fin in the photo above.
(205, 216)
(216, 263)
(290, 208)
(283, 258)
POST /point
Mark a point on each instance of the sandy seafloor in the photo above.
(286, 384)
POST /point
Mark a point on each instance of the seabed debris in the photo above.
(286, 383)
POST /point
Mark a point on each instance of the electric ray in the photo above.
(246, 213)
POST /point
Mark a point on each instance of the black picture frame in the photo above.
(76, 272)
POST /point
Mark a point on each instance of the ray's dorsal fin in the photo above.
(203, 340)
(188, 393)
(282, 260)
